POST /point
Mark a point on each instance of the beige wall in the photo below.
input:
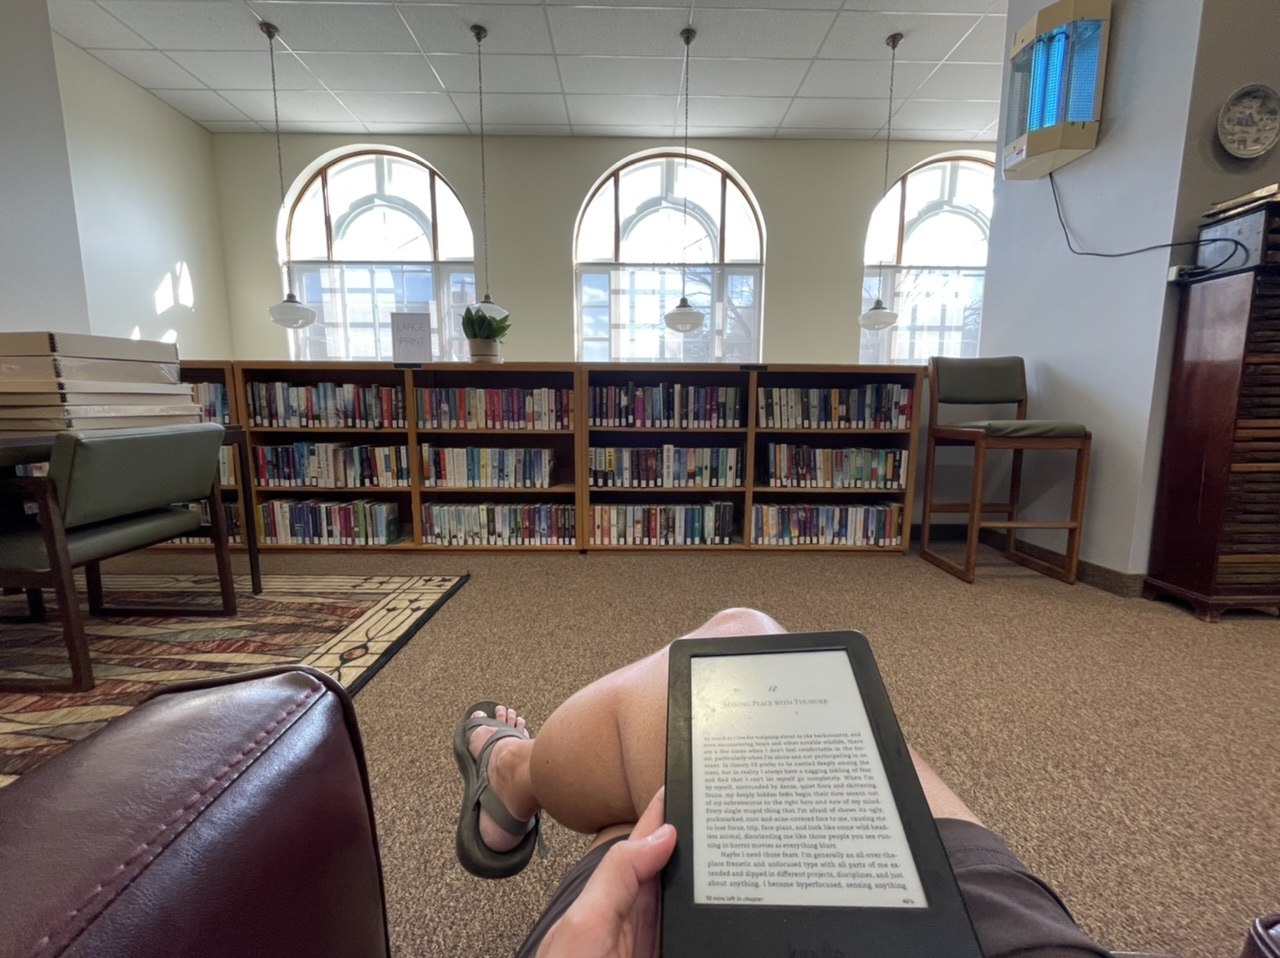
(143, 180)
(816, 197)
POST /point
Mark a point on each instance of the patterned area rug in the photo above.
(348, 626)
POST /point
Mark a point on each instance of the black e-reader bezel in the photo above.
(940, 930)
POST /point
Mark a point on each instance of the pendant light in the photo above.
(486, 304)
(684, 318)
(290, 313)
(879, 317)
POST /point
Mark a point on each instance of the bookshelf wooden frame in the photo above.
(571, 481)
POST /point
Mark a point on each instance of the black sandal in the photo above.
(475, 856)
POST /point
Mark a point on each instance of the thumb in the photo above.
(627, 866)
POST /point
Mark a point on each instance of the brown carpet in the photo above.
(1127, 751)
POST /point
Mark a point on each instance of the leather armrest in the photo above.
(225, 818)
(1263, 940)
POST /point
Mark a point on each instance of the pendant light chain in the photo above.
(480, 33)
(688, 33)
(892, 41)
(271, 31)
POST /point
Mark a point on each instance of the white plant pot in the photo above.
(485, 350)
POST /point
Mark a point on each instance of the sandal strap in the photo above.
(488, 799)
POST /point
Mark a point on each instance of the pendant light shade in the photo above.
(684, 318)
(486, 304)
(879, 316)
(290, 313)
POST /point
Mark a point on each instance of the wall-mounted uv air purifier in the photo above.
(1054, 99)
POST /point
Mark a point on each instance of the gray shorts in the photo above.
(1013, 911)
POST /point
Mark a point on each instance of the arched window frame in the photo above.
(672, 347)
(452, 280)
(916, 336)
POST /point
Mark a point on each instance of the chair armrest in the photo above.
(226, 818)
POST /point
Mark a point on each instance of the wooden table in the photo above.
(22, 450)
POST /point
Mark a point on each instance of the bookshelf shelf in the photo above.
(559, 393)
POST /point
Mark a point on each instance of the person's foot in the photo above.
(504, 779)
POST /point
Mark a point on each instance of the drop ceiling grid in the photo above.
(761, 69)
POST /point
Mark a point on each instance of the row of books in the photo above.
(870, 406)
(665, 466)
(498, 524)
(512, 408)
(331, 465)
(335, 405)
(361, 522)
(795, 525)
(232, 512)
(213, 401)
(792, 466)
(704, 524)
(666, 405)
(487, 468)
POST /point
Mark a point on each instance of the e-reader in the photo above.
(802, 829)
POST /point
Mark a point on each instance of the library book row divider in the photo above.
(786, 440)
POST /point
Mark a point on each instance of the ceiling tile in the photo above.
(321, 126)
(503, 73)
(943, 115)
(373, 71)
(739, 132)
(513, 108)
(656, 76)
(150, 69)
(402, 107)
(200, 105)
(735, 77)
(608, 110)
(245, 71)
(435, 129)
(860, 36)
(231, 126)
(775, 4)
(296, 106)
(650, 132)
(801, 133)
(963, 81)
(325, 27)
(986, 44)
(817, 114)
(527, 129)
(604, 31)
(446, 28)
(191, 24)
(757, 111)
(87, 25)
(920, 6)
(863, 78)
(761, 33)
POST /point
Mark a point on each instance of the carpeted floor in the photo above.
(1127, 751)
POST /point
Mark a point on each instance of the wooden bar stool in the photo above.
(989, 382)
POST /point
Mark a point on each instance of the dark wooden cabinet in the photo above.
(1216, 537)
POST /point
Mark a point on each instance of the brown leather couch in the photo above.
(225, 819)
(219, 820)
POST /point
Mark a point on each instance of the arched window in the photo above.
(926, 257)
(632, 240)
(372, 233)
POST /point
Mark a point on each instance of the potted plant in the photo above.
(484, 334)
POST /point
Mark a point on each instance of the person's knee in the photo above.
(742, 621)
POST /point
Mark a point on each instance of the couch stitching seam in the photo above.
(175, 817)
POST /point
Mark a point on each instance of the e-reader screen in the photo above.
(791, 803)
(801, 825)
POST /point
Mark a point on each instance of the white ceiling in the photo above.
(763, 68)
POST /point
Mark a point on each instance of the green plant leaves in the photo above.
(477, 324)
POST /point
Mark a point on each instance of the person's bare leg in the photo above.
(601, 756)
(943, 803)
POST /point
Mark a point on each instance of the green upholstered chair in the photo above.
(990, 382)
(108, 492)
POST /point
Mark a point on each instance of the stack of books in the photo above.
(55, 381)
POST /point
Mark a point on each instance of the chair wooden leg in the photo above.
(975, 511)
(926, 518)
(93, 583)
(221, 549)
(1015, 493)
(35, 605)
(1077, 511)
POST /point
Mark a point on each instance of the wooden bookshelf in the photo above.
(569, 479)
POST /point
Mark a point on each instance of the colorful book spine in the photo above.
(325, 405)
(499, 524)
(869, 406)
(667, 466)
(332, 465)
(213, 402)
(487, 468)
(666, 524)
(361, 522)
(791, 466)
(878, 525)
(666, 406)
(511, 408)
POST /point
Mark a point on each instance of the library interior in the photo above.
(361, 360)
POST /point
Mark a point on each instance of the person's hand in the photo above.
(617, 914)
